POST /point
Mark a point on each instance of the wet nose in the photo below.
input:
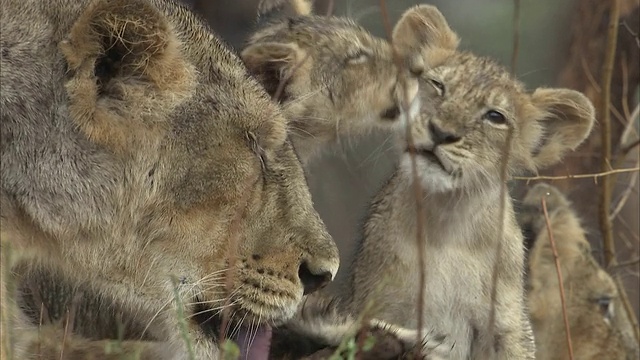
(313, 279)
(442, 136)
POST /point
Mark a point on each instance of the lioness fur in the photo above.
(137, 152)
(469, 104)
(597, 321)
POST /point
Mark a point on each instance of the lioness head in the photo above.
(469, 104)
(164, 160)
(597, 323)
(333, 77)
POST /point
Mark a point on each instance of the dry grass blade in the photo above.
(64, 335)
(560, 282)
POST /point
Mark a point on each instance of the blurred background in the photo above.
(561, 43)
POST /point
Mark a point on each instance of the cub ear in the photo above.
(269, 9)
(423, 26)
(272, 62)
(123, 54)
(567, 119)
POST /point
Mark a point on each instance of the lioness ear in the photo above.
(124, 55)
(423, 26)
(567, 119)
(272, 62)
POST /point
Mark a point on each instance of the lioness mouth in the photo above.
(253, 341)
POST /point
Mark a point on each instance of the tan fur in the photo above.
(597, 322)
(461, 201)
(338, 80)
(137, 149)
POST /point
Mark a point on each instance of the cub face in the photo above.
(598, 324)
(470, 104)
(338, 78)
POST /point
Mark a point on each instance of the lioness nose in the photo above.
(313, 281)
(441, 136)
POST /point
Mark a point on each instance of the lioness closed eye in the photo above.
(136, 149)
(469, 104)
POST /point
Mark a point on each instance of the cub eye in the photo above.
(604, 304)
(495, 117)
(358, 57)
(438, 85)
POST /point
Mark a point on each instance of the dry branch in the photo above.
(560, 282)
(579, 176)
(605, 132)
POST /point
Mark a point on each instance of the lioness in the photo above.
(334, 79)
(136, 149)
(597, 323)
(469, 105)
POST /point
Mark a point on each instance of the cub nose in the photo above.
(441, 136)
(313, 280)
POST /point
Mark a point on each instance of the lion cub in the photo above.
(599, 329)
(469, 104)
(333, 78)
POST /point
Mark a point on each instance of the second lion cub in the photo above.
(334, 79)
(469, 104)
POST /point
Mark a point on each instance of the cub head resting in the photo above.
(332, 76)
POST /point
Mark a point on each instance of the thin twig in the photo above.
(516, 35)
(503, 194)
(181, 318)
(605, 132)
(622, 264)
(416, 179)
(625, 194)
(631, 315)
(625, 150)
(559, 273)
(64, 336)
(603, 174)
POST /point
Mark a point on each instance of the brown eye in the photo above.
(438, 85)
(495, 117)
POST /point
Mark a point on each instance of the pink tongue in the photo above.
(254, 345)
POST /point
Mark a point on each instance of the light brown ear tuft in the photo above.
(123, 54)
(423, 26)
(272, 62)
(567, 121)
(268, 9)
